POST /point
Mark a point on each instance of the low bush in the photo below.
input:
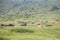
(49, 25)
(21, 30)
(2, 38)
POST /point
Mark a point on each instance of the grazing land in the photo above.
(29, 19)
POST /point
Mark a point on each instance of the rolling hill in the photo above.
(27, 9)
(29, 19)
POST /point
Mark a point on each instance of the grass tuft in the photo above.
(2, 38)
(21, 30)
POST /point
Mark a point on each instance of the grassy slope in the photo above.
(33, 33)
(30, 13)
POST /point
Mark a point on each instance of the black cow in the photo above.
(6, 24)
(11, 25)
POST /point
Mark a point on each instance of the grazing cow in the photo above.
(6, 24)
(23, 24)
(39, 26)
(3, 24)
(11, 24)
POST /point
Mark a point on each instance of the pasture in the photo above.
(29, 20)
(40, 27)
(30, 33)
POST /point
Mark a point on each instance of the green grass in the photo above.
(50, 31)
(2, 38)
(30, 33)
(33, 15)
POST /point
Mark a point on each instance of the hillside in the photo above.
(28, 9)
(29, 19)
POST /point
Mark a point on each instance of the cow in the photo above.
(39, 26)
(11, 25)
(23, 24)
(6, 24)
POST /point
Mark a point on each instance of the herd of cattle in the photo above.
(7, 25)
(11, 24)
(26, 23)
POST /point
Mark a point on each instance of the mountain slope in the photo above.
(28, 4)
(27, 8)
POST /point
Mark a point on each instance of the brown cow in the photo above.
(11, 25)
(39, 26)
(3, 24)
(6, 24)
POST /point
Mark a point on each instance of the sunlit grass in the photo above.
(30, 33)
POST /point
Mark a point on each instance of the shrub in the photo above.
(49, 25)
(21, 30)
(2, 38)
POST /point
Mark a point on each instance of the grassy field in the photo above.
(30, 33)
(42, 18)
(48, 31)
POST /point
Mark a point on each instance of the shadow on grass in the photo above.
(1, 27)
(2, 38)
(49, 25)
(20, 30)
